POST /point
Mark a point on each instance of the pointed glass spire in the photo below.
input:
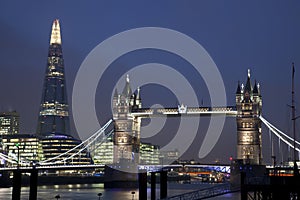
(54, 113)
(55, 33)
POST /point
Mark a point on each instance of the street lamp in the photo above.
(133, 192)
(18, 147)
(99, 195)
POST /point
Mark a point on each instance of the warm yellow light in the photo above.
(55, 34)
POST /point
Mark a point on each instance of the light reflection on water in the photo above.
(90, 191)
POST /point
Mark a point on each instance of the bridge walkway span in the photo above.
(204, 193)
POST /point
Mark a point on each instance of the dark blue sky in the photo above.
(263, 36)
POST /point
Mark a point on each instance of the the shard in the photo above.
(53, 114)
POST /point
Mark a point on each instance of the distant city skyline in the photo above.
(262, 36)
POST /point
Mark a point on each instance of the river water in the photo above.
(91, 191)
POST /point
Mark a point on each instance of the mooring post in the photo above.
(142, 185)
(33, 184)
(17, 177)
(243, 186)
(163, 184)
(153, 185)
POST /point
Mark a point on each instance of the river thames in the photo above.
(91, 191)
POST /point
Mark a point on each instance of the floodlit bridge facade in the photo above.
(128, 113)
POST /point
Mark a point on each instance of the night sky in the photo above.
(262, 36)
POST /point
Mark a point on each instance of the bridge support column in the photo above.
(33, 184)
(143, 185)
(243, 189)
(17, 178)
(153, 185)
(163, 184)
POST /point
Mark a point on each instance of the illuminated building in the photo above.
(149, 154)
(169, 157)
(249, 106)
(54, 115)
(53, 122)
(9, 123)
(55, 145)
(103, 154)
(25, 145)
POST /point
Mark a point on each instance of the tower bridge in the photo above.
(128, 113)
(59, 147)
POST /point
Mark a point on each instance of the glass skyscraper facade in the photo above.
(53, 115)
(53, 123)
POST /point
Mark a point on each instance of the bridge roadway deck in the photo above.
(221, 168)
(184, 111)
(49, 167)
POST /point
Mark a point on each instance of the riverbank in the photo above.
(62, 180)
(90, 191)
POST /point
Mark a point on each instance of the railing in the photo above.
(204, 193)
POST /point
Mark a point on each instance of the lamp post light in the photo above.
(18, 147)
(99, 195)
(133, 192)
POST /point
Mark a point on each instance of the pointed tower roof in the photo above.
(55, 33)
(248, 86)
(127, 89)
(116, 93)
(256, 88)
(138, 95)
(238, 90)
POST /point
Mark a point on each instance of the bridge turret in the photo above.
(238, 94)
(127, 127)
(249, 106)
(138, 100)
(256, 93)
(115, 103)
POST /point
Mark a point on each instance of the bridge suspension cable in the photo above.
(103, 139)
(12, 159)
(80, 147)
(7, 158)
(281, 135)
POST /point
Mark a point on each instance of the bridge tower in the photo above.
(126, 137)
(249, 107)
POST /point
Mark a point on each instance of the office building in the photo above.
(9, 123)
